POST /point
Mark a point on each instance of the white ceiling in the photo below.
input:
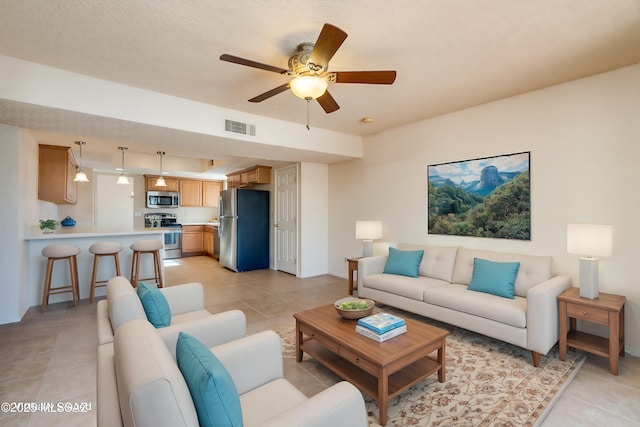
(449, 55)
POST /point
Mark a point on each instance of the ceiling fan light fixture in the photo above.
(308, 87)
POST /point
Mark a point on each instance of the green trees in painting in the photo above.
(503, 213)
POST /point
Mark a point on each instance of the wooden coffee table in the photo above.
(380, 370)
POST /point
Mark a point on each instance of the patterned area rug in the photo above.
(488, 383)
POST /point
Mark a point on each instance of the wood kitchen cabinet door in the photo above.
(208, 240)
(211, 193)
(190, 192)
(56, 170)
(192, 242)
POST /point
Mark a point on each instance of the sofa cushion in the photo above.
(123, 304)
(458, 297)
(212, 389)
(495, 278)
(265, 402)
(155, 305)
(534, 269)
(437, 261)
(404, 263)
(408, 287)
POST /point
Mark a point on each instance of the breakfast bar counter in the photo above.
(82, 238)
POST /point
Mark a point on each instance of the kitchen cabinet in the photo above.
(172, 183)
(249, 176)
(190, 192)
(208, 240)
(192, 240)
(211, 193)
(56, 170)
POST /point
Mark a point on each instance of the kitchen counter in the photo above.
(75, 232)
(83, 238)
(212, 223)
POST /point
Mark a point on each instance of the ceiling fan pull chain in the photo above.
(308, 101)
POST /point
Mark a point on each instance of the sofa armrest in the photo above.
(370, 265)
(184, 298)
(105, 332)
(341, 405)
(253, 360)
(212, 330)
(108, 405)
(542, 313)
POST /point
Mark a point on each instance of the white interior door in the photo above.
(286, 221)
(114, 203)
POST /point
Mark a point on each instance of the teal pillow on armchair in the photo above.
(404, 263)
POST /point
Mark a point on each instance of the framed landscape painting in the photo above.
(487, 197)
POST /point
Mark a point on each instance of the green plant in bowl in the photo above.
(354, 305)
(48, 225)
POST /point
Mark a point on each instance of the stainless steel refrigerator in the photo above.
(244, 229)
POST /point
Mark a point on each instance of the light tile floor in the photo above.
(51, 357)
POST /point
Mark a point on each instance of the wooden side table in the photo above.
(607, 309)
(353, 267)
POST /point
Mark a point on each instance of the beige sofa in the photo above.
(530, 320)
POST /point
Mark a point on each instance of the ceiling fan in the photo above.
(309, 66)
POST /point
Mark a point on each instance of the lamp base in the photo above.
(589, 278)
(367, 248)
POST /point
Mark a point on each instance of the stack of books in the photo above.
(381, 326)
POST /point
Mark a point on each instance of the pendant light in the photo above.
(122, 179)
(160, 182)
(80, 175)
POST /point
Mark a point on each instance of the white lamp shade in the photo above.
(368, 230)
(308, 86)
(122, 179)
(81, 176)
(160, 182)
(595, 240)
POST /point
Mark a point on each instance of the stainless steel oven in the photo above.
(172, 232)
(172, 243)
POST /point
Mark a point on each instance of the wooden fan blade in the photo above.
(328, 104)
(329, 40)
(270, 93)
(367, 77)
(254, 64)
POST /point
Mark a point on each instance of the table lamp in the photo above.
(368, 231)
(590, 241)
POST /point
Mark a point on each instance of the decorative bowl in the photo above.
(68, 222)
(354, 313)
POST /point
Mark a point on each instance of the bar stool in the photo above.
(146, 247)
(100, 249)
(58, 252)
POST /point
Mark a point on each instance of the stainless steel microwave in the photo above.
(163, 199)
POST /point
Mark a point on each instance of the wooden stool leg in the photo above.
(47, 284)
(156, 258)
(93, 277)
(117, 261)
(133, 266)
(74, 279)
(138, 261)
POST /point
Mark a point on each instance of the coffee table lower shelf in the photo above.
(398, 381)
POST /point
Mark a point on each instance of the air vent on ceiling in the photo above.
(239, 127)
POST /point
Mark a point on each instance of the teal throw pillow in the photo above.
(404, 263)
(155, 305)
(212, 389)
(497, 278)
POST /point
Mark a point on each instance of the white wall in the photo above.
(314, 224)
(585, 147)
